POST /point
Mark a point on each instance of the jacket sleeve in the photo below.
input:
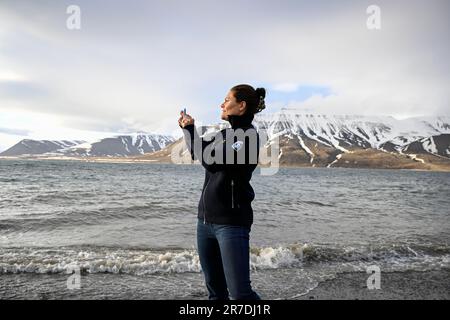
(197, 147)
(193, 142)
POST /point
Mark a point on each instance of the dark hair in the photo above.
(253, 98)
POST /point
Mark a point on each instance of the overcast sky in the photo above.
(134, 64)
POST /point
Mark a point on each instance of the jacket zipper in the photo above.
(232, 194)
(204, 205)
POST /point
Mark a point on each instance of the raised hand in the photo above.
(185, 120)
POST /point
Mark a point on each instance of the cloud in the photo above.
(132, 66)
(6, 75)
(20, 90)
(17, 132)
(286, 87)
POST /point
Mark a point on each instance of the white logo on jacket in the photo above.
(237, 145)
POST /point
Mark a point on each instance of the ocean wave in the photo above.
(315, 203)
(81, 217)
(153, 261)
(9, 180)
(58, 195)
(98, 260)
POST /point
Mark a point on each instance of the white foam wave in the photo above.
(141, 262)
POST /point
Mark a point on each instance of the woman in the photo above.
(225, 213)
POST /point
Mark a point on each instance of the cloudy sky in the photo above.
(134, 64)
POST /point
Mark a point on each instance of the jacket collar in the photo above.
(240, 121)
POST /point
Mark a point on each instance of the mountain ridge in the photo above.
(309, 140)
(312, 140)
(119, 145)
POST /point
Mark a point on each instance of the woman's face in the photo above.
(231, 107)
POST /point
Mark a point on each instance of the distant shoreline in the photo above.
(155, 161)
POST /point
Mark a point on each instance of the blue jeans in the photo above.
(224, 256)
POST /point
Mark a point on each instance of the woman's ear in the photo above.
(242, 107)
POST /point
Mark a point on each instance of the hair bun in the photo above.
(261, 94)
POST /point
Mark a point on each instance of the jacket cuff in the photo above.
(189, 129)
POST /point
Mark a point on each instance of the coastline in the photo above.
(157, 161)
(408, 285)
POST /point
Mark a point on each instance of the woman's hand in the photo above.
(185, 120)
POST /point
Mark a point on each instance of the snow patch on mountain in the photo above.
(121, 145)
(346, 131)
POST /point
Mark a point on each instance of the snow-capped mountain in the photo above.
(123, 145)
(349, 132)
(437, 145)
(314, 140)
(35, 147)
(120, 146)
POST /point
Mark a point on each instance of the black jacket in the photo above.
(227, 194)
